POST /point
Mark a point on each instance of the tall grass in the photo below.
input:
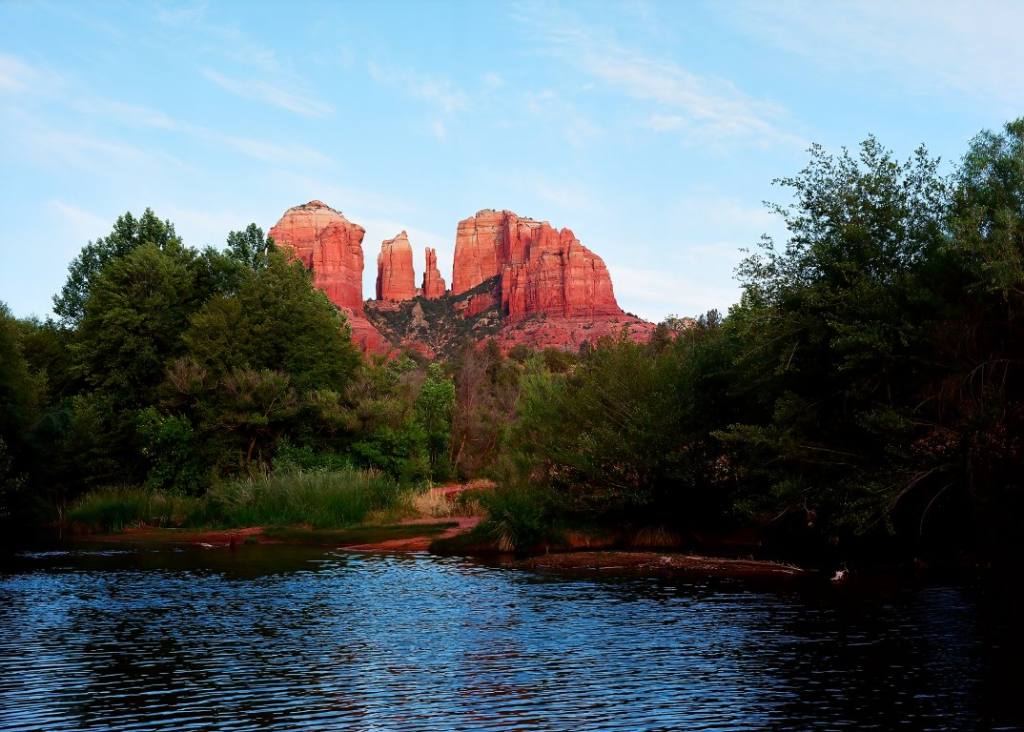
(321, 499)
(114, 508)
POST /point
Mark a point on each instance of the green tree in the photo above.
(132, 324)
(127, 235)
(972, 451)
(251, 248)
(277, 320)
(626, 433)
(21, 395)
(837, 330)
(20, 389)
(434, 406)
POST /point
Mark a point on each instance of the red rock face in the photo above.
(548, 289)
(557, 277)
(328, 244)
(568, 334)
(433, 283)
(395, 278)
(332, 247)
(366, 336)
(478, 246)
(543, 271)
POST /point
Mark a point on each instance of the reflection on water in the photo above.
(279, 638)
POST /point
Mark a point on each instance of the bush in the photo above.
(518, 516)
(291, 457)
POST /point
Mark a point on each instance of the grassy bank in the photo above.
(320, 499)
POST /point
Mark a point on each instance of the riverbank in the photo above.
(420, 534)
(410, 535)
(442, 522)
(410, 522)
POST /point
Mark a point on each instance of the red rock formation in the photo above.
(480, 243)
(332, 247)
(475, 304)
(546, 288)
(395, 278)
(557, 277)
(543, 271)
(365, 334)
(570, 333)
(433, 283)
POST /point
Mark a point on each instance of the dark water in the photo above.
(276, 639)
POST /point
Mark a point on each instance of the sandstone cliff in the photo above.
(543, 271)
(328, 244)
(514, 279)
(433, 283)
(332, 247)
(395, 278)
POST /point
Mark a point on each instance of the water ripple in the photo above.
(117, 640)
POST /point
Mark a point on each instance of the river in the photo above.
(288, 638)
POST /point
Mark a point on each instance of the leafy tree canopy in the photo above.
(128, 234)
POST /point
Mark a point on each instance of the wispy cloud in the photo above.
(565, 195)
(439, 130)
(697, 257)
(193, 19)
(576, 127)
(141, 116)
(270, 152)
(20, 77)
(270, 93)
(84, 224)
(206, 226)
(972, 49)
(15, 74)
(701, 108)
(724, 214)
(126, 114)
(434, 90)
(95, 152)
(77, 147)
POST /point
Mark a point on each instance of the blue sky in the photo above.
(652, 130)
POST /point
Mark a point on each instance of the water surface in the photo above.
(275, 638)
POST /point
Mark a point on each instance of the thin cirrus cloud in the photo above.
(94, 153)
(264, 91)
(15, 74)
(436, 91)
(707, 109)
(972, 49)
(84, 225)
(147, 117)
(247, 146)
(576, 127)
(19, 77)
(704, 107)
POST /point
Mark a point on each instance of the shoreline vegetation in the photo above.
(861, 405)
(443, 520)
